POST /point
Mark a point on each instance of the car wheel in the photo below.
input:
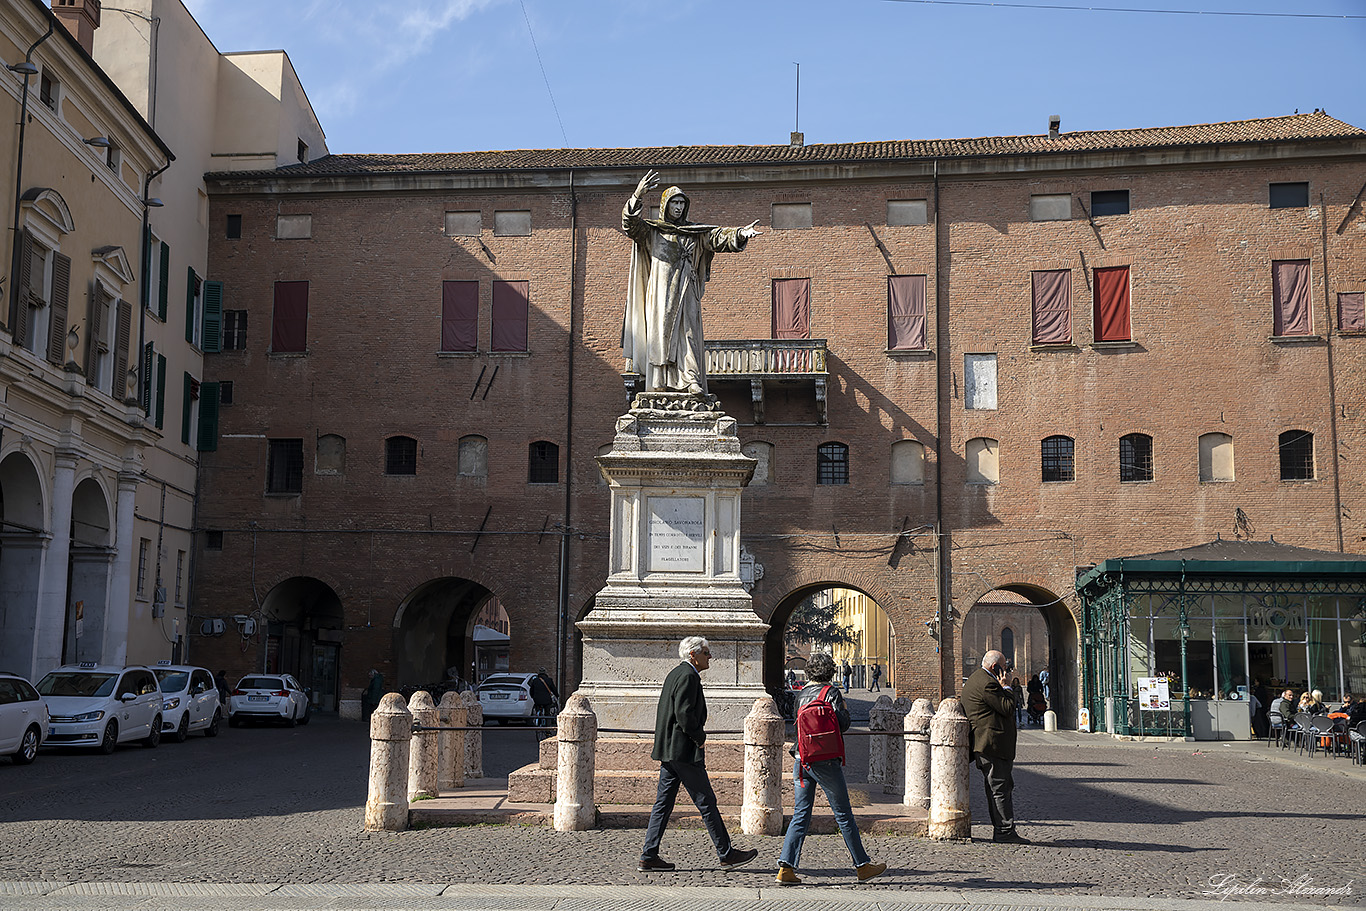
(153, 738)
(214, 722)
(183, 731)
(308, 713)
(290, 721)
(28, 747)
(110, 740)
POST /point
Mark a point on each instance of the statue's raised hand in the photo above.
(648, 182)
(749, 230)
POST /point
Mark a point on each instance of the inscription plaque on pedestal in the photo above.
(676, 535)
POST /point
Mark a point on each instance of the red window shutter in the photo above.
(1352, 311)
(906, 312)
(1112, 305)
(510, 305)
(1290, 289)
(289, 326)
(792, 308)
(459, 316)
(1052, 307)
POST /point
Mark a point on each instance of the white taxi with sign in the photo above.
(102, 706)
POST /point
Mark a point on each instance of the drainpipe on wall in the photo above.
(1332, 376)
(563, 626)
(19, 181)
(943, 567)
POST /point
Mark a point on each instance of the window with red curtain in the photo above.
(509, 316)
(1352, 311)
(459, 316)
(792, 308)
(1290, 291)
(906, 312)
(1052, 307)
(1112, 304)
(289, 322)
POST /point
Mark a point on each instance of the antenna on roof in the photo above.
(797, 138)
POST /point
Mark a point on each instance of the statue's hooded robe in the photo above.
(661, 336)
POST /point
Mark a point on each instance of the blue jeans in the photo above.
(830, 776)
(693, 777)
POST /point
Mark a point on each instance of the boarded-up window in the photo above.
(510, 307)
(512, 223)
(1050, 207)
(908, 462)
(463, 224)
(792, 308)
(289, 321)
(983, 458)
(293, 227)
(459, 316)
(1112, 305)
(1352, 311)
(1052, 307)
(791, 215)
(979, 382)
(907, 212)
(1216, 457)
(1290, 292)
(906, 312)
(761, 453)
(330, 457)
(473, 457)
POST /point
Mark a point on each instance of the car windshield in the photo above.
(260, 683)
(77, 683)
(173, 681)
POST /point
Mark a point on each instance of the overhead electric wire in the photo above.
(1129, 9)
(537, 49)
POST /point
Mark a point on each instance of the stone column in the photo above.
(577, 729)
(917, 732)
(474, 739)
(950, 812)
(880, 720)
(52, 593)
(422, 749)
(765, 736)
(450, 759)
(391, 728)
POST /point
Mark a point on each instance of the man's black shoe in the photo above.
(736, 857)
(654, 864)
(1011, 838)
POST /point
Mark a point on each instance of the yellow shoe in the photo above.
(788, 876)
(869, 870)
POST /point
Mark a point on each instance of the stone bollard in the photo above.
(474, 738)
(577, 729)
(895, 782)
(765, 736)
(391, 728)
(950, 812)
(1050, 720)
(880, 720)
(450, 759)
(422, 749)
(917, 728)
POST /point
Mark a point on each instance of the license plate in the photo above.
(258, 698)
(500, 695)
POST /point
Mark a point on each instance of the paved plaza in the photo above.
(275, 814)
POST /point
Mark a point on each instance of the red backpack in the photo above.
(818, 731)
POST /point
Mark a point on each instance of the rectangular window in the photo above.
(788, 216)
(144, 548)
(293, 227)
(460, 316)
(1052, 307)
(979, 382)
(234, 330)
(1290, 294)
(907, 212)
(1109, 202)
(224, 392)
(1352, 311)
(906, 312)
(515, 223)
(234, 227)
(289, 323)
(213, 540)
(1052, 207)
(285, 467)
(1112, 305)
(792, 308)
(189, 409)
(1289, 195)
(194, 309)
(464, 224)
(303, 152)
(48, 89)
(510, 313)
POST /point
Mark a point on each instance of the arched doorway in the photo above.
(22, 539)
(303, 618)
(1038, 628)
(841, 619)
(434, 632)
(90, 561)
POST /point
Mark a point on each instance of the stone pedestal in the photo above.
(676, 473)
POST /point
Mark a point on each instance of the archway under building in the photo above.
(1036, 631)
(873, 642)
(23, 539)
(90, 562)
(303, 635)
(435, 633)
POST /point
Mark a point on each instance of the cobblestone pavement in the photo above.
(284, 806)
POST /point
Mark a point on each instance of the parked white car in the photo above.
(102, 706)
(517, 697)
(190, 701)
(23, 719)
(268, 697)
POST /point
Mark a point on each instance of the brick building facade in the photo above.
(964, 366)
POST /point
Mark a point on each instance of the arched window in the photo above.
(472, 457)
(1136, 457)
(832, 463)
(1008, 645)
(1057, 458)
(983, 461)
(908, 462)
(543, 463)
(1216, 457)
(400, 455)
(1297, 455)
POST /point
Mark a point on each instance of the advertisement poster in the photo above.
(1153, 695)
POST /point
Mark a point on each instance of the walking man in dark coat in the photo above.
(679, 737)
(990, 707)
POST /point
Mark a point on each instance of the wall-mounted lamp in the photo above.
(24, 68)
(153, 203)
(99, 142)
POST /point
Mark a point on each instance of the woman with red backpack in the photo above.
(822, 719)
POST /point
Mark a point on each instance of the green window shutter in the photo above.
(165, 281)
(186, 410)
(190, 279)
(212, 342)
(161, 391)
(208, 417)
(148, 362)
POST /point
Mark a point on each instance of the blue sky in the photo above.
(457, 75)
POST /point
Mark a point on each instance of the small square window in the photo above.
(1056, 207)
(512, 223)
(213, 540)
(234, 229)
(789, 216)
(303, 152)
(1110, 202)
(1289, 195)
(400, 456)
(225, 392)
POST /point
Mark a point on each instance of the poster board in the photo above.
(1153, 694)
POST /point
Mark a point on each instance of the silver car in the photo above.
(23, 719)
